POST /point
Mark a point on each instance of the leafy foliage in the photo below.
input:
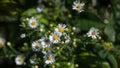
(81, 52)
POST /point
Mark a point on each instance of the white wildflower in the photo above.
(19, 60)
(60, 29)
(93, 32)
(36, 46)
(78, 6)
(54, 37)
(67, 39)
(49, 59)
(32, 23)
(46, 49)
(45, 41)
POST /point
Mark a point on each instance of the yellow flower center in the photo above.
(108, 45)
(55, 37)
(20, 59)
(61, 29)
(78, 6)
(49, 58)
(46, 48)
(93, 33)
(1, 43)
(33, 23)
(37, 46)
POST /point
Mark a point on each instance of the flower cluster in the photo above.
(59, 32)
(45, 43)
(52, 42)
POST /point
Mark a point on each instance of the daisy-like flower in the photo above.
(32, 23)
(49, 59)
(46, 49)
(33, 59)
(45, 41)
(78, 6)
(67, 39)
(54, 37)
(36, 46)
(2, 42)
(93, 32)
(60, 28)
(19, 60)
(39, 9)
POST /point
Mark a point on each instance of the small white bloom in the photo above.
(106, 21)
(36, 46)
(60, 28)
(39, 9)
(45, 41)
(46, 49)
(78, 6)
(19, 60)
(49, 59)
(93, 32)
(54, 37)
(23, 35)
(33, 59)
(67, 39)
(32, 23)
(2, 42)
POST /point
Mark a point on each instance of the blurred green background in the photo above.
(102, 14)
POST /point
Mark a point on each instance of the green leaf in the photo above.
(103, 54)
(106, 65)
(84, 24)
(110, 31)
(29, 12)
(112, 61)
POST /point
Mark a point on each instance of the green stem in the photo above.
(60, 50)
(13, 50)
(4, 50)
(112, 61)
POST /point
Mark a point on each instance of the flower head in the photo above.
(60, 28)
(32, 23)
(23, 35)
(19, 60)
(45, 41)
(54, 37)
(46, 49)
(108, 45)
(49, 58)
(39, 9)
(33, 59)
(67, 39)
(2, 41)
(78, 6)
(36, 46)
(93, 32)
